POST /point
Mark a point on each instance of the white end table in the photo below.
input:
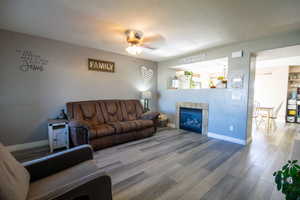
(58, 134)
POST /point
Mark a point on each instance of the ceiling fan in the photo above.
(137, 42)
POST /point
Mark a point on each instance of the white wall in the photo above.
(270, 87)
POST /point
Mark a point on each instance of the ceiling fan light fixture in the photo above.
(134, 49)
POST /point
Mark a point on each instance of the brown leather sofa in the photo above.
(104, 123)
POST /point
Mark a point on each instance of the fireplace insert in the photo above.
(190, 119)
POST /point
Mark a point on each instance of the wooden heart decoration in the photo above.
(147, 74)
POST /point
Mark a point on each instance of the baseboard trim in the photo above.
(249, 140)
(171, 125)
(30, 145)
(227, 138)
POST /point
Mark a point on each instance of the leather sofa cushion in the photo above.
(141, 124)
(101, 130)
(88, 111)
(14, 178)
(127, 126)
(103, 111)
(131, 109)
(123, 127)
(51, 186)
(111, 110)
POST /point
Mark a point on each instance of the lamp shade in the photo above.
(146, 95)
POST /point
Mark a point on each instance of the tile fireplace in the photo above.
(192, 117)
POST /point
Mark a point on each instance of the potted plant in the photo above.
(189, 76)
(221, 82)
(288, 180)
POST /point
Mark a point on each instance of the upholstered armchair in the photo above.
(71, 174)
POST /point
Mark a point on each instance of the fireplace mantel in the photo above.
(203, 106)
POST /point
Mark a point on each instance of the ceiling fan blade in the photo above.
(154, 41)
(157, 38)
(148, 47)
(118, 31)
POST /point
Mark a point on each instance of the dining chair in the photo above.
(269, 119)
(274, 115)
(255, 114)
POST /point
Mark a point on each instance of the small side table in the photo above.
(163, 120)
(58, 134)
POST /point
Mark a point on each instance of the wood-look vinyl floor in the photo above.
(182, 165)
(176, 164)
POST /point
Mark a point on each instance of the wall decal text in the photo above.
(31, 61)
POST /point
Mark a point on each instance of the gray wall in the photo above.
(224, 111)
(28, 99)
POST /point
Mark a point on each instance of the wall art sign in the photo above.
(147, 74)
(101, 65)
(31, 62)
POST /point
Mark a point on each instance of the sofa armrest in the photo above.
(93, 186)
(79, 132)
(54, 163)
(150, 115)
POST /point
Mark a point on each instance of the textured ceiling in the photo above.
(285, 52)
(184, 25)
(279, 57)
